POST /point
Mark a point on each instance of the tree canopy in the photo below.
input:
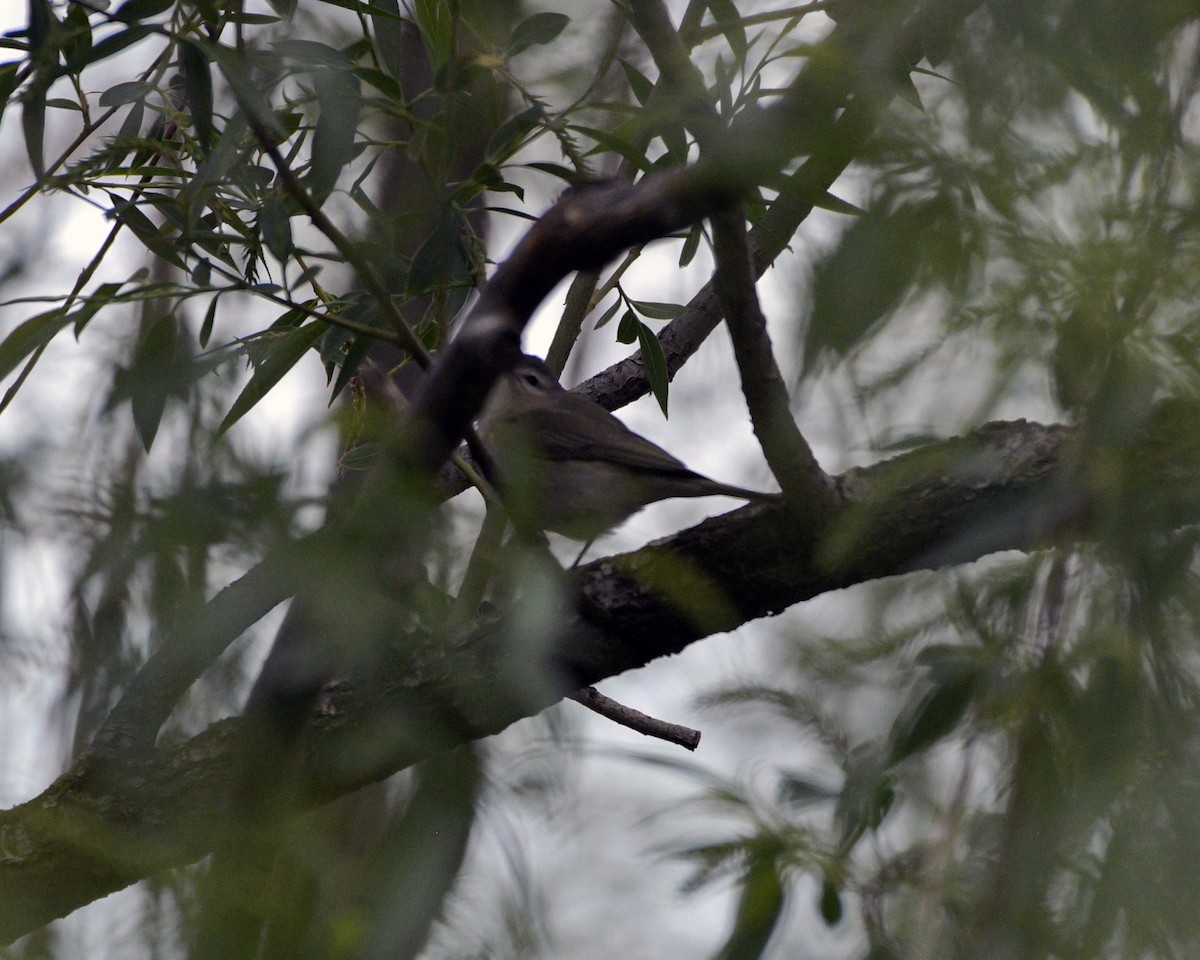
(940, 252)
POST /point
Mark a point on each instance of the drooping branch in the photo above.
(99, 827)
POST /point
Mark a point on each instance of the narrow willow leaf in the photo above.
(129, 92)
(641, 85)
(33, 122)
(536, 30)
(655, 362)
(151, 378)
(285, 352)
(197, 77)
(340, 101)
(510, 134)
(618, 145)
(725, 12)
(389, 35)
(657, 311)
(118, 42)
(29, 336)
(133, 10)
(210, 317)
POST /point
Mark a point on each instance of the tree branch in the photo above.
(103, 825)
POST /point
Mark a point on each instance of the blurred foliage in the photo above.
(1002, 761)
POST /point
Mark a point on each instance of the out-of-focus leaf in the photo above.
(276, 226)
(133, 10)
(29, 336)
(797, 790)
(285, 8)
(152, 377)
(866, 276)
(641, 85)
(935, 713)
(420, 857)
(725, 13)
(284, 352)
(867, 795)
(340, 100)
(830, 903)
(118, 42)
(210, 317)
(441, 259)
(77, 38)
(759, 907)
(535, 30)
(692, 244)
(8, 83)
(389, 35)
(617, 144)
(145, 230)
(199, 89)
(657, 311)
(313, 53)
(655, 362)
(128, 92)
(33, 122)
(508, 135)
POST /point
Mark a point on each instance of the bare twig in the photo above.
(645, 724)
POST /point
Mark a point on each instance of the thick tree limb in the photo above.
(104, 825)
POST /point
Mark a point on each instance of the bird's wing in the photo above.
(557, 428)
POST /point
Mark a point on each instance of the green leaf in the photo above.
(618, 145)
(609, 313)
(389, 35)
(725, 12)
(536, 30)
(8, 83)
(77, 38)
(275, 226)
(655, 362)
(691, 245)
(759, 908)
(441, 259)
(627, 329)
(830, 903)
(657, 311)
(641, 85)
(133, 10)
(935, 713)
(198, 87)
(144, 229)
(311, 53)
(152, 377)
(210, 317)
(865, 277)
(285, 351)
(33, 122)
(509, 135)
(118, 42)
(29, 336)
(129, 92)
(340, 100)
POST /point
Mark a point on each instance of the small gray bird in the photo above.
(568, 465)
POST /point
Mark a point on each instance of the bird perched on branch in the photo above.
(568, 465)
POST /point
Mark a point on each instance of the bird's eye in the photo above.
(531, 379)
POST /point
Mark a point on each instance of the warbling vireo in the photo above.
(572, 467)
